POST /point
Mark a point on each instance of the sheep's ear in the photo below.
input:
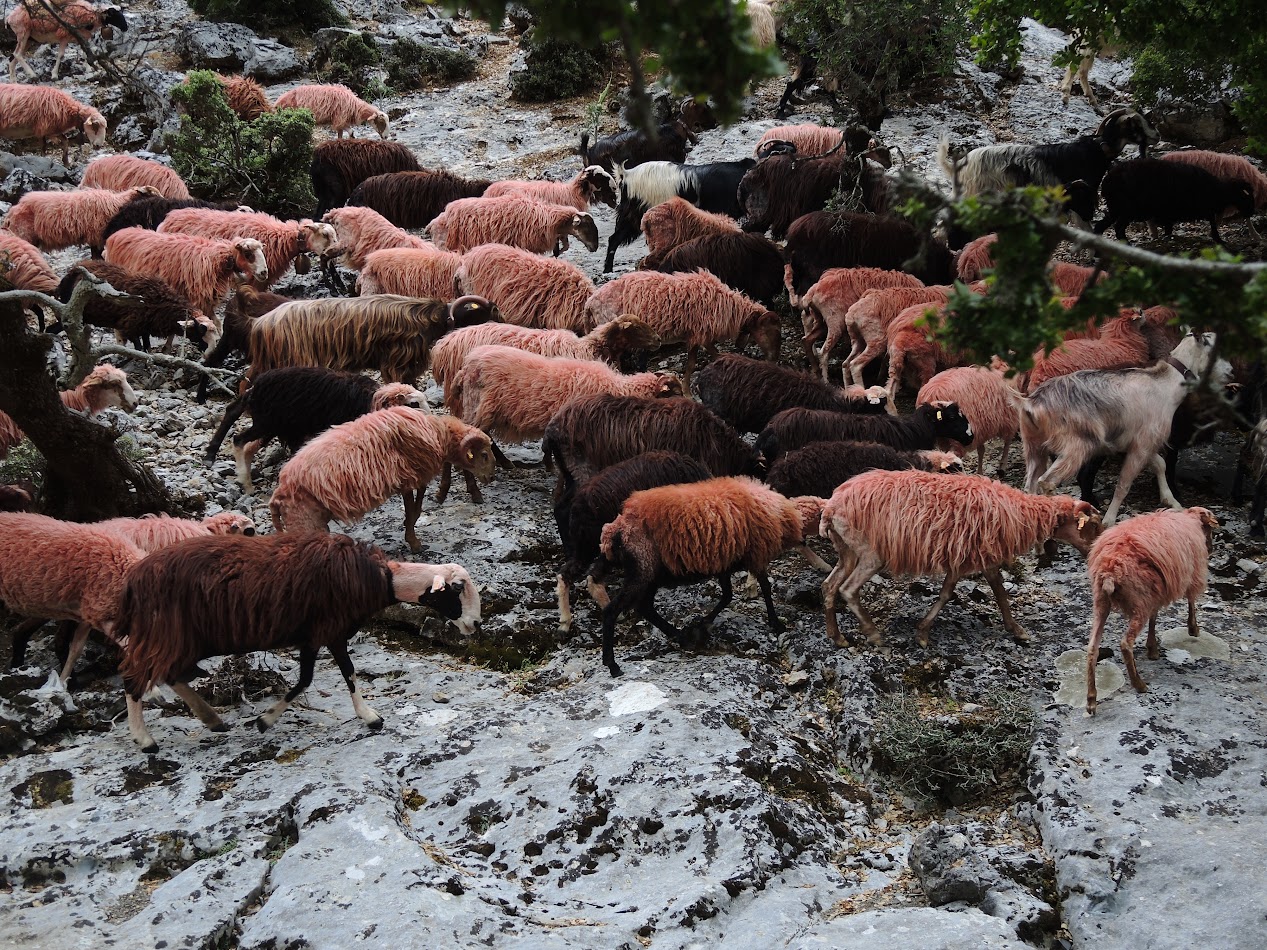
(437, 583)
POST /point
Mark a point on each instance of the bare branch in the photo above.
(1136, 255)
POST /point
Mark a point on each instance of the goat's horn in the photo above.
(1112, 117)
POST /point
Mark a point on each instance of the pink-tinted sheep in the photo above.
(1225, 166)
(696, 309)
(914, 523)
(121, 172)
(591, 185)
(355, 467)
(74, 19)
(334, 105)
(606, 343)
(202, 269)
(675, 222)
(916, 353)
(511, 394)
(1071, 279)
(512, 219)
(529, 290)
(976, 258)
(24, 267)
(52, 220)
(158, 531)
(362, 231)
(868, 322)
(42, 112)
(285, 242)
(825, 306)
(1120, 345)
(425, 271)
(987, 399)
(1139, 567)
(808, 138)
(246, 97)
(105, 387)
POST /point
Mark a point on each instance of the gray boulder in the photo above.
(230, 47)
(1195, 123)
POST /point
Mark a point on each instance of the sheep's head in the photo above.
(250, 259)
(1241, 197)
(1079, 525)
(754, 193)
(948, 422)
(762, 328)
(445, 588)
(95, 130)
(697, 116)
(626, 333)
(230, 522)
(145, 191)
(670, 386)
(472, 309)
(201, 330)
(316, 237)
(379, 121)
(598, 186)
(475, 455)
(1208, 524)
(108, 386)
(876, 396)
(810, 509)
(947, 462)
(582, 226)
(112, 17)
(397, 394)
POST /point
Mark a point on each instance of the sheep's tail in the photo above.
(1107, 586)
(585, 148)
(232, 413)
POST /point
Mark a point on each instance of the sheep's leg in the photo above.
(1154, 648)
(1007, 448)
(1000, 596)
(598, 590)
(243, 455)
(1158, 463)
(200, 707)
(922, 628)
(77, 644)
(869, 565)
(500, 456)
(1131, 467)
(824, 354)
(646, 607)
(777, 625)
(1099, 617)
(413, 508)
(816, 562)
(136, 726)
(21, 637)
(1128, 653)
(307, 660)
(339, 650)
(565, 605)
(629, 595)
(873, 349)
(473, 488)
(57, 63)
(834, 581)
(1193, 631)
(446, 481)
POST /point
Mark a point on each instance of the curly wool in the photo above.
(284, 241)
(104, 387)
(42, 112)
(423, 271)
(53, 220)
(794, 428)
(976, 258)
(819, 468)
(531, 291)
(511, 219)
(362, 231)
(23, 266)
(154, 532)
(675, 222)
(869, 322)
(148, 212)
(748, 263)
(334, 105)
(987, 399)
(1141, 565)
(339, 165)
(155, 311)
(914, 351)
(121, 172)
(412, 199)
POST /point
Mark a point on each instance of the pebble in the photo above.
(440, 697)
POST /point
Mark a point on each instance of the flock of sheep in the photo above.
(652, 483)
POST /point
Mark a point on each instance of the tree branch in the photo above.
(1136, 255)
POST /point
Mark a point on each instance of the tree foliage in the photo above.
(305, 15)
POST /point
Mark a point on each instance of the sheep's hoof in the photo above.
(779, 627)
(615, 670)
(839, 639)
(260, 724)
(219, 727)
(1020, 636)
(375, 724)
(565, 628)
(150, 749)
(1091, 708)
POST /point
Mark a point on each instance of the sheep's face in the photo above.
(946, 462)
(476, 456)
(112, 17)
(948, 422)
(318, 238)
(670, 386)
(445, 588)
(250, 259)
(1079, 527)
(379, 121)
(810, 508)
(1208, 524)
(95, 131)
(202, 331)
(1243, 198)
(599, 186)
(582, 226)
(397, 394)
(230, 522)
(762, 328)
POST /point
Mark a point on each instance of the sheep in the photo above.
(1096, 412)
(591, 185)
(23, 267)
(748, 393)
(761, 23)
(826, 239)
(826, 306)
(634, 146)
(696, 309)
(339, 165)
(334, 105)
(782, 188)
(582, 511)
(819, 468)
(423, 271)
(381, 332)
(748, 263)
(148, 212)
(977, 257)
(806, 138)
(285, 242)
(412, 199)
(200, 269)
(1226, 167)
(244, 307)
(675, 222)
(512, 394)
(154, 310)
(914, 348)
(74, 21)
(514, 220)
(15, 498)
(1149, 189)
(295, 403)
(121, 172)
(529, 290)
(353, 468)
(921, 523)
(987, 400)
(41, 112)
(1119, 345)
(237, 595)
(246, 97)
(1140, 566)
(58, 570)
(795, 428)
(106, 387)
(607, 343)
(151, 533)
(679, 534)
(52, 220)
(362, 231)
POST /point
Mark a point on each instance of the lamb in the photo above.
(339, 165)
(1226, 167)
(748, 393)
(675, 222)
(514, 220)
(121, 172)
(74, 21)
(200, 269)
(591, 185)
(104, 388)
(695, 309)
(149, 211)
(1097, 412)
(1149, 189)
(221, 596)
(423, 271)
(782, 188)
(155, 310)
(988, 401)
(606, 343)
(1140, 566)
(381, 332)
(819, 468)
(52, 220)
(921, 523)
(242, 310)
(412, 199)
(512, 394)
(353, 468)
(1120, 345)
(795, 428)
(826, 307)
(529, 290)
(295, 403)
(582, 511)
(748, 263)
(41, 112)
(285, 242)
(334, 105)
(679, 534)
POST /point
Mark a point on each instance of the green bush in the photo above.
(263, 163)
(556, 70)
(352, 61)
(307, 16)
(24, 463)
(411, 65)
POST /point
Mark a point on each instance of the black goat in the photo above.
(1149, 189)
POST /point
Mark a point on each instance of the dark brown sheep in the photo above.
(148, 212)
(782, 188)
(795, 428)
(413, 199)
(339, 165)
(749, 263)
(818, 468)
(242, 310)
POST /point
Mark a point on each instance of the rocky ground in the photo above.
(758, 791)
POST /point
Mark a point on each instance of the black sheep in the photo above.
(748, 393)
(148, 211)
(794, 428)
(412, 199)
(339, 165)
(818, 468)
(156, 310)
(749, 263)
(1149, 189)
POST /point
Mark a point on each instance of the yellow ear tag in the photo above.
(470, 456)
(1082, 521)
(939, 415)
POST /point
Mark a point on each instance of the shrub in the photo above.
(308, 16)
(411, 65)
(263, 163)
(24, 463)
(557, 70)
(352, 61)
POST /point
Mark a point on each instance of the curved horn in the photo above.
(1111, 118)
(469, 298)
